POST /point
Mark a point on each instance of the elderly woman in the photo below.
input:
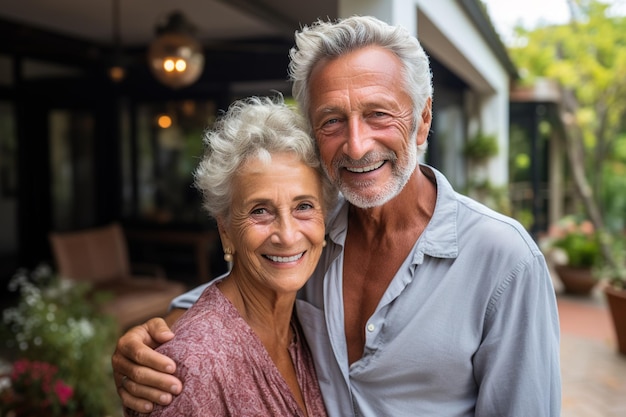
(239, 350)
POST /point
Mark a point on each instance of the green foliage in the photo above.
(525, 217)
(619, 150)
(613, 194)
(481, 147)
(496, 198)
(56, 321)
(615, 275)
(587, 57)
(519, 154)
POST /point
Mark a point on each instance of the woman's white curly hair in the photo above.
(255, 127)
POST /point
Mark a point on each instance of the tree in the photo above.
(588, 58)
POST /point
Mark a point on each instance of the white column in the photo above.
(395, 12)
(494, 114)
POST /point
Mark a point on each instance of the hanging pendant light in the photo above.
(175, 56)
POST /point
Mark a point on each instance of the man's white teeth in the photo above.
(367, 168)
(285, 258)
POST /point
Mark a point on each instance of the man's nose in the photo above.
(357, 142)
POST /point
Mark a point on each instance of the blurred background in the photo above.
(103, 104)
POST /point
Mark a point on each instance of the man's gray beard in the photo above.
(401, 175)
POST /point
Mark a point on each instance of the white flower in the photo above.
(86, 328)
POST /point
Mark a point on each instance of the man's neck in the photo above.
(412, 208)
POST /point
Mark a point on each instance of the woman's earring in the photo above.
(324, 243)
(228, 257)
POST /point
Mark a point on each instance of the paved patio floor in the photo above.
(593, 372)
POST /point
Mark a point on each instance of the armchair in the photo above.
(100, 256)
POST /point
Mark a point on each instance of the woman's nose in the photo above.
(285, 231)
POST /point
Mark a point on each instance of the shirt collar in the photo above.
(440, 238)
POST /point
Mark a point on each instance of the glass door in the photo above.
(72, 171)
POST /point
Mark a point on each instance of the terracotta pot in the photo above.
(579, 281)
(616, 300)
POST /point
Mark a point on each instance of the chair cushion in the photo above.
(136, 299)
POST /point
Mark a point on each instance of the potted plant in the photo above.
(579, 252)
(58, 347)
(613, 274)
(481, 147)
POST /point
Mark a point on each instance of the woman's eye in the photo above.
(305, 206)
(259, 211)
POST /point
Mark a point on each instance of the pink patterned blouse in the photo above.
(226, 370)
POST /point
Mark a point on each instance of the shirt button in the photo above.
(371, 327)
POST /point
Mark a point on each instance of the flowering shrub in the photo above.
(56, 322)
(36, 389)
(578, 240)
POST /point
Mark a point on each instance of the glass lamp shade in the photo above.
(176, 59)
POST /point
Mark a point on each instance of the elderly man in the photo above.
(424, 301)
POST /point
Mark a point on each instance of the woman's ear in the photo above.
(227, 244)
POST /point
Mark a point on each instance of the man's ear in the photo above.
(427, 118)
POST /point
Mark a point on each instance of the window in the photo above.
(168, 148)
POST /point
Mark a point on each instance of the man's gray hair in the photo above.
(325, 39)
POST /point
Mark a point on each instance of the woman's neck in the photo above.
(267, 313)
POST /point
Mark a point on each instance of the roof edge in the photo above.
(476, 10)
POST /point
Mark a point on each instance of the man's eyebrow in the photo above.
(326, 110)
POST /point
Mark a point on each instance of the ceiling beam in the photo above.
(262, 11)
(27, 41)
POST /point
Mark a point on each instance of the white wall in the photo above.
(397, 12)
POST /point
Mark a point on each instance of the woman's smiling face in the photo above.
(276, 229)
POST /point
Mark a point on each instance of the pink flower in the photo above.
(64, 392)
(586, 227)
(19, 368)
(35, 385)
